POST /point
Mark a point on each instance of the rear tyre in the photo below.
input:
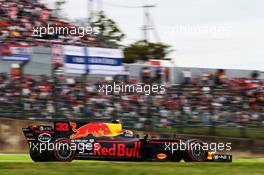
(36, 156)
(63, 151)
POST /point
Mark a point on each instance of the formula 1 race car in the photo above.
(66, 141)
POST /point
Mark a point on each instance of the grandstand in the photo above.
(236, 103)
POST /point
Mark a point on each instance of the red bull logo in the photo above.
(118, 150)
(95, 129)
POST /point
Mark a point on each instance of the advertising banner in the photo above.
(105, 61)
(93, 60)
(75, 60)
(15, 53)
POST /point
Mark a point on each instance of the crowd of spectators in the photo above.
(18, 18)
(233, 102)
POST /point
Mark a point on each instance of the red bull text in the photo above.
(118, 150)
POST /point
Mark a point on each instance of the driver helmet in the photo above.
(128, 133)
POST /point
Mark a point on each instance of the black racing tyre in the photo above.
(195, 151)
(63, 150)
(36, 156)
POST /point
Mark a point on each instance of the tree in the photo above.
(144, 51)
(108, 31)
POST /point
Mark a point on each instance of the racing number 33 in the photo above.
(62, 127)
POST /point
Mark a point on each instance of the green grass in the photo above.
(20, 164)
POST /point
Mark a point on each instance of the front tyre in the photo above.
(195, 151)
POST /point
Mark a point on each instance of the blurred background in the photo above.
(211, 67)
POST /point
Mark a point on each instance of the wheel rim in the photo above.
(198, 152)
(64, 153)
